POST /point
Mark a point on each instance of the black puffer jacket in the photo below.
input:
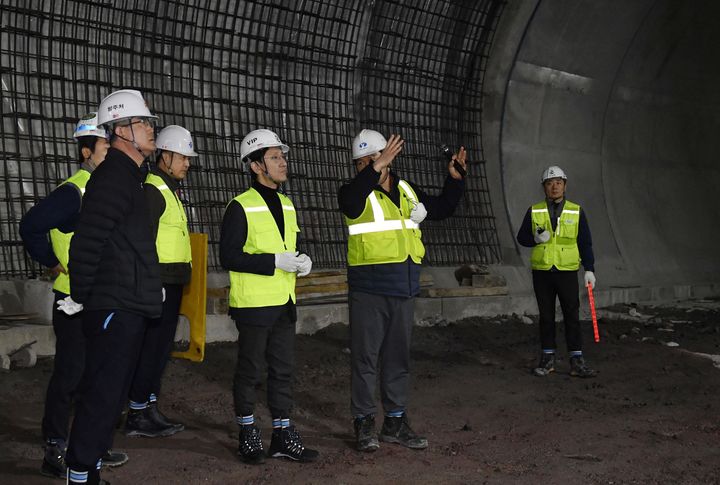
(113, 261)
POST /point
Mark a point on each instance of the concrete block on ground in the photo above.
(488, 281)
(312, 318)
(428, 311)
(14, 336)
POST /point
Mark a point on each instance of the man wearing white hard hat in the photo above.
(115, 279)
(557, 230)
(383, 214)
(46, 230)
(172, 239)
(258, 246)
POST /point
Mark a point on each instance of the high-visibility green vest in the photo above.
(173, 237)
(248, 290)
(561, 250)
(384, 233)
(61, 241)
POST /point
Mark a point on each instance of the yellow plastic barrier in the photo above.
(194, 299)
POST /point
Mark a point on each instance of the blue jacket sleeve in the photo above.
(525, 233)
(442, 206)
(584, 242)
(59, 210)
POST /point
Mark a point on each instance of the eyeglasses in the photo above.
(276, 158)
(146, 122)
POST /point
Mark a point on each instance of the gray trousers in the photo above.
(380, 330)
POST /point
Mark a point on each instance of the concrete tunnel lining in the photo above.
(626, 105)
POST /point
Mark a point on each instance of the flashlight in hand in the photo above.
(448, 154)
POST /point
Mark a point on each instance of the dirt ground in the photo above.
(651, 416)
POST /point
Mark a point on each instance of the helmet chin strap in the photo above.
(267, 174)
(133, 142)
(169, 165)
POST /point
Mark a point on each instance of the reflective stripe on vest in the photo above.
(61, 241)
(173, 238)
(384, 233)
(248, 290)
(561, 250)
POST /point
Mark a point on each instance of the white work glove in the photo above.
(163, 294)
(305, 265)
(590, 279)
(418, 213)
(69, 306)
(541, 236)
(287, 262)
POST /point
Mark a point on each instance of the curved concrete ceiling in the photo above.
(623, 96)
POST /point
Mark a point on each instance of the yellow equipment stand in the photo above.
(194, 299)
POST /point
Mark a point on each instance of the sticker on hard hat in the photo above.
(251, 141)
(363, 145)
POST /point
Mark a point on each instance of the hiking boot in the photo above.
(365, 436)
(397, 430)
(162, 420)
(114, 458)
(545, 366)
(250, 447)
(287, 443)
(578, 367)
(139, 423)
(53, 464)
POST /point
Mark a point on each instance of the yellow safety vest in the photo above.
(60, 241)
(173, 237)
(384, 233)
(248, 290)
(561, 250)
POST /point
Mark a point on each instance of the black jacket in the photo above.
(393, 279)
(113, 262)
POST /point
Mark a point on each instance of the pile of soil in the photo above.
(651, 416)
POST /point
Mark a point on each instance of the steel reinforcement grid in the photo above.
(314, 71)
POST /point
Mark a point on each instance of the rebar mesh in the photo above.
(314, 71)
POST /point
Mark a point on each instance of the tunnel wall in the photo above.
(624, 98)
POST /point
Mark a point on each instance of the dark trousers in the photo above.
(156, 347)
(274, 343)
(380, 329)
(113, 343)
(67, 370)
(563, 285)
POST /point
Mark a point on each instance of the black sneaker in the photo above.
(578, 367)
(53, 464)
(287, 443)
(365, 435)
(139, 423)
(114, 458)
(250, 447)
(162, 420)
(545, 366)
(397, 430)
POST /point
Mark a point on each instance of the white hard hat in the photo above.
(259, 139)
(174, 138)
(121, 105)
(366, 143)
(553, 172)
(88, 126)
